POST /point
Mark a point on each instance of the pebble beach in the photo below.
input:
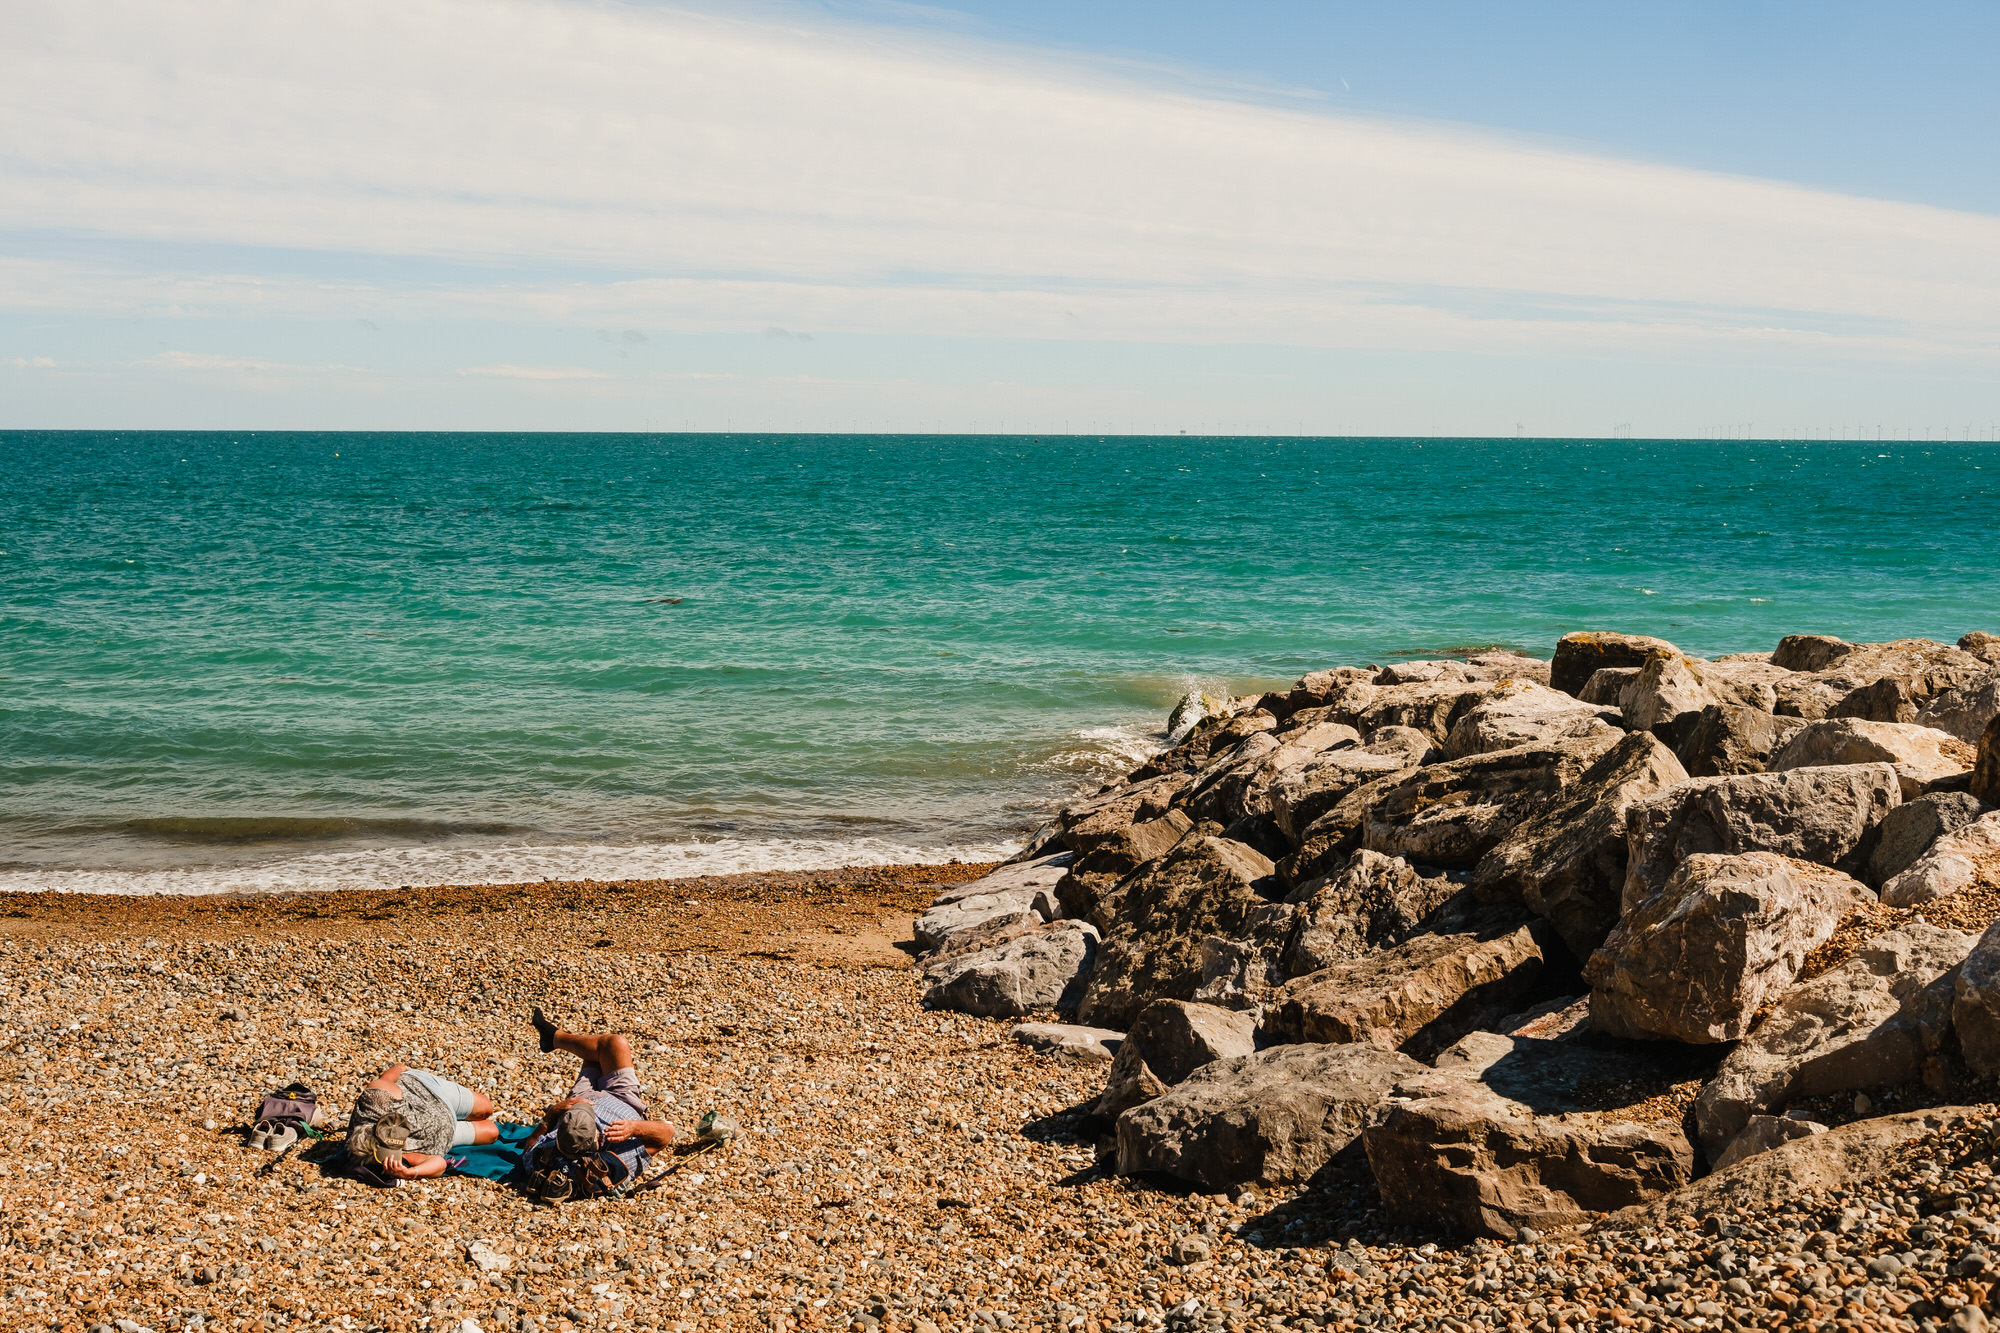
(899, 1168)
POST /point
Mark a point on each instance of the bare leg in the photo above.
(482, 1109)
(485, 1131)
(606, 1050)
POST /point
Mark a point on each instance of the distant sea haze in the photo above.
(246, 661)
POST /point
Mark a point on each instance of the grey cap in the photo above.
(576, 1131)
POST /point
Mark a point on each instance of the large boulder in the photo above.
(1984, 646)
(1169, 1040)
(1450, 814)
(1043, 872)
(1727, 739)
(1072, 1041)
(1823, 815)
(1568, 861)
(1911, 828)
(1867, 1023)
(1491, 1143)
(1838, 1162)
(1244, 786)
(1964, 712)
(946, 922)
(1696, 961)
(1520, 712)
(1370, 902)
(1029, 974)
(1606, 687)
(1090, 876)
(1301, 795)
(1430, 707)
(1089, 822)
(1920, 755)
(1671, 691)
(1426, 992)
(1158, 919)
(1986, 768)
(1965, 858)
(1923, 669)
(1328, 840)
(1580, 656)
(1975, 1005)
(1272, 1118)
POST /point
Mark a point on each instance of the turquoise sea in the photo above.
(237, 660)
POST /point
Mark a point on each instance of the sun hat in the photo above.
(576, 1131)
(377, 1141)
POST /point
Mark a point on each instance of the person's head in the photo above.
(378, 1140)
(576, 1131)
(373, 1104)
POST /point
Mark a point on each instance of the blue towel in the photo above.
(493, 1161)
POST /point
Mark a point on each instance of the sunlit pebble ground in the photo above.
(898, 1167)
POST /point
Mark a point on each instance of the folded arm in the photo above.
(655, 1134)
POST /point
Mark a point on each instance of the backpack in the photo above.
(553, 1178)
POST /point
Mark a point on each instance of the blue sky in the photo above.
(828, 215)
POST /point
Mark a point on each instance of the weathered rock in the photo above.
(1964, 712)
(1071, 1040)
(1519, 712)
(1975, 1005)
(1568, 861)
(1272, 1118)
(1670, 692)
(1810, 652)
(1370, 902)
(1837, 1161)
(1238, 972)
(1466, 1153)
(1211, 736)
(1034, 973)
(1433, 987)
(1889, 699)
(1725, 934)
(1965, 858)
(1244, 786)
(1984, 646)
(937, 928)
(1430, 707)
(1606, 686)
(1303, 794)
(1042, 873)
(1728, 739)
(1823, 815)
(1986, 769)
(1909, 830)
(1088, 823)
(1328, 840)
(1450, 814)
(1763, 1133)
(1919, 755)
(1580, 656)
(1170, 1040)
(1152, 944)
(1922, 668)
(1867, 1023)
(1090, 876)
(1565, 1018)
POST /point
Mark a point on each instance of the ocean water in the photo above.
(282, 660)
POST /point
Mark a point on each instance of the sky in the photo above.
(1696, 219)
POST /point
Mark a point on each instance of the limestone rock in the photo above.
(1922, 668)
(1967, 857)
(1430, 707)
(1909, 830)
(937, 928)
(1522, 713)
(1041, 873)
(1071, 1040)
(1984, 646)
(1434, 986)
(1725, 934)
(1579, 656)
(1728, 739)
(1170, 1040)
(1450, 814)
(1568, 861)
(1975, 1006)
(1272, 1118)
(1964, 712)
(1038, 972)
(1152, 944)
(1089, 822)
(1606, 686)
(1866, 1023)
(1370, 902)
(1303, 794)
(1328, 840)
(1823, 815)
(1244, 786)
(1670, 692)
(1763, 1133)
(1986, 770)
(1919, 755)
(1090, 876)
(1810, 652)
(1238, 972)
(1464, 1154)
(1837, 1161)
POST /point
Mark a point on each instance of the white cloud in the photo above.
(535, 373)
(34, 363)
(216, 363)
(618, 165)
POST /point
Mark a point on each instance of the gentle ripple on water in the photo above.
(441, 656)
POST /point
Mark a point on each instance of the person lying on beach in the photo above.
(597, 1140)
(406, 1121)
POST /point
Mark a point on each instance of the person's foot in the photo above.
(547, 1030)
